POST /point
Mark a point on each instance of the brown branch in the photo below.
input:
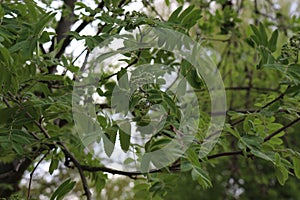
(232, 153)
(258, 110)
(281, 129)
(114, 171)
(271, 102)
(6, 102)
(216, 39)
(242, 88)
(80, 170)
(67, 40)
(137, 173)
(73, 159)
(252, 88)
(134, 174)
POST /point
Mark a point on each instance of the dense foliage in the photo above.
(45, 46)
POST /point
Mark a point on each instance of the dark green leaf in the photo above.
(296, 164)
(174, 15)
(273, 41)
(263, 34)
(63, 189)
(53, 165)
(125, 132)
(185, 13)
(282, 174)
(257, 34)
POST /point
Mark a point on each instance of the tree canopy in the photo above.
(179, 99)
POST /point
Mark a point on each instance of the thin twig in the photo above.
(6, 102)
(216, 39)
(146, 3)
(129, 65)
(225, 154)
(31, 174)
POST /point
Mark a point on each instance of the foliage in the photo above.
(254, 44)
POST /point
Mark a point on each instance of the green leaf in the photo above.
(174, 15)
(296, 163)
(91, 137)
(255, 39)
(109, 140)
(102, 121)
(43, 22)
(159, 144)
(232, 131)
(124, 133)
(18, 148)
(192, 157)
(193, 79)
(21, 137)
(5, 55)
(273, 41)
(257, 34)
(264, 55)
(128, 161)
(53, 165)
(122, 77)
(181, 88)
(263, 34)
(191, 19)
(282, 174)
(63, 189)
(252, 141)
(170, 103)
(45, 37)
(145, 163)
(262, 155)
(185, 13)
(156, 186)
(202, 177)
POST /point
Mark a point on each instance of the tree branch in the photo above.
(137, 173)
(67, 40)
(258, 110)
(281, 129)
(64, 149)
